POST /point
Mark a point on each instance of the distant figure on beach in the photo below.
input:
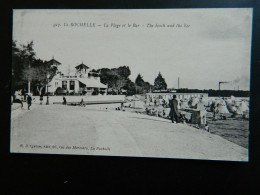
(29, 101)
(155, 102)
(214, 107)
(207, 127)
(41, 99)
(64, 101)
(163, 102)
(174, 112)
(81, 102)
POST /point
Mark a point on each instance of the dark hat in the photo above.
(174, 96)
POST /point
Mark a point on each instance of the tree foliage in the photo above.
(159, 83)
(141, 85)
(139, 81)
(25, 67)
(115, 78)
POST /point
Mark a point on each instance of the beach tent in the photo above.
(193, 101)
(242, 108)
(217, 101)
(232, 99)
(199, 106)
(184, 104)
(205, 101)
(137, 103)
(237, 103)
(222, 108)
(231, 107)
(210, 102)
(229, 101)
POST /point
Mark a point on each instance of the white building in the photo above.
(81, 80)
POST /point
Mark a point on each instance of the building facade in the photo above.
(82, 80)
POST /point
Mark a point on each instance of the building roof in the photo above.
(92, 83)
(82, 66)
(53, 62)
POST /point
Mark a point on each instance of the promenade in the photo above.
(92, 130)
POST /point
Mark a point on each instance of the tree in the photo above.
(147, 87)
(25, 67)
(22, 58)
(16, 67)
(130, 87)
(115, 78)
(139, 80)
(159, 83)
(124, 72)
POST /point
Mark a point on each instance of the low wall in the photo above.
(86, 99)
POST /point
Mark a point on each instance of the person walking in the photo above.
(29, 101)
(41, 99)
(174, 113)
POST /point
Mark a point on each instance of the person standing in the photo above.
(122, 105)
(64, 100)
(174, 113)
(29, 101)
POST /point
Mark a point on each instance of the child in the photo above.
(207, 128)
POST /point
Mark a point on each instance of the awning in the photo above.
(92, 83)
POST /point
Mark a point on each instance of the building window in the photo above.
(72, 85)
(64, 84)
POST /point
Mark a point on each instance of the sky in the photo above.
(211, 45)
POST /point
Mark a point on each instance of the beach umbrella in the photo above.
(184, 104)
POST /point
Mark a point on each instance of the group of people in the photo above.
(174, 115)
(28, 100)
(155, 102)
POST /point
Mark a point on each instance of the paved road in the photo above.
(94, 131)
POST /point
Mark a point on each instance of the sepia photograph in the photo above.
(157, 83)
